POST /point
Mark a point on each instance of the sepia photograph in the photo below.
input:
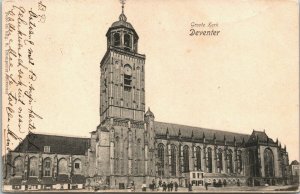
(150, 96)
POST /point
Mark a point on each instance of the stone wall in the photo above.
(41, 158)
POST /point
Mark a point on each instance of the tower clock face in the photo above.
(127, 70)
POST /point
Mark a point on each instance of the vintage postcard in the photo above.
(150, 96)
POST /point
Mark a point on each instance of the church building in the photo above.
(130, 147)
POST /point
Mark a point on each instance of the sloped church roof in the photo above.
(35, 143)
(197, 132)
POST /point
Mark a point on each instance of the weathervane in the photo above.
(123, 3)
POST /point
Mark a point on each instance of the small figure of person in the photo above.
(176, 186)
(160, 182)
(191, 187)
(144, 187)
(153, 185)
(164, 186)
(206, 186)
(219, 183)
(171, 186)
(168, 186)
(132, 187)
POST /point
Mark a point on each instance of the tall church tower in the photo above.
(122, 80)
(121, 139)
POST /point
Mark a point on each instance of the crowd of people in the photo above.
(169, 186)
(161, 186)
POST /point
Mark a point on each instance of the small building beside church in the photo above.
(47, 162)
(295, 172)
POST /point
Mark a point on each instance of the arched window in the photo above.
(127, 77)
(269, 162)
(239, 161)
(209, 160)
(33, 166)
(135, 40)
(198, 158)
(117, 39)
(139, 156)
(18, 166)
(186, 165)
(127, 41)
(284, 163)
(180, 152)
(220, 160)
(62, 166)
(161, 160)
(173, 160)
(254, 163)
(77, 167)
(229, 159)
(117, 154)
(47, 167)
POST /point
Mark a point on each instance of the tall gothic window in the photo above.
(135, 43)
(186, 166)
(117, 39)
(198, 158)
(173, 160)
(33, 166)
(161, 161)
(18, 166)
(117, 152)
(220, 160)
(230, 161)
(209, 160)
(180, 152)
(254, 164)
(47, 167)
(62, 166)
(139, 156)
(127, 41)
(239, 161)
(285, 160)
(269, 162)
(283, 164)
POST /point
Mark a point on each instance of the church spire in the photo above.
(123, 3)
(122, 17)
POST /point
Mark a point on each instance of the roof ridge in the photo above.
(217, 130)
(259, 131)
(60, 135)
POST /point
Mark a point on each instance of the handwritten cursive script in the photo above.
(20, 24)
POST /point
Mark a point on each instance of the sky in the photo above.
(243, 79)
